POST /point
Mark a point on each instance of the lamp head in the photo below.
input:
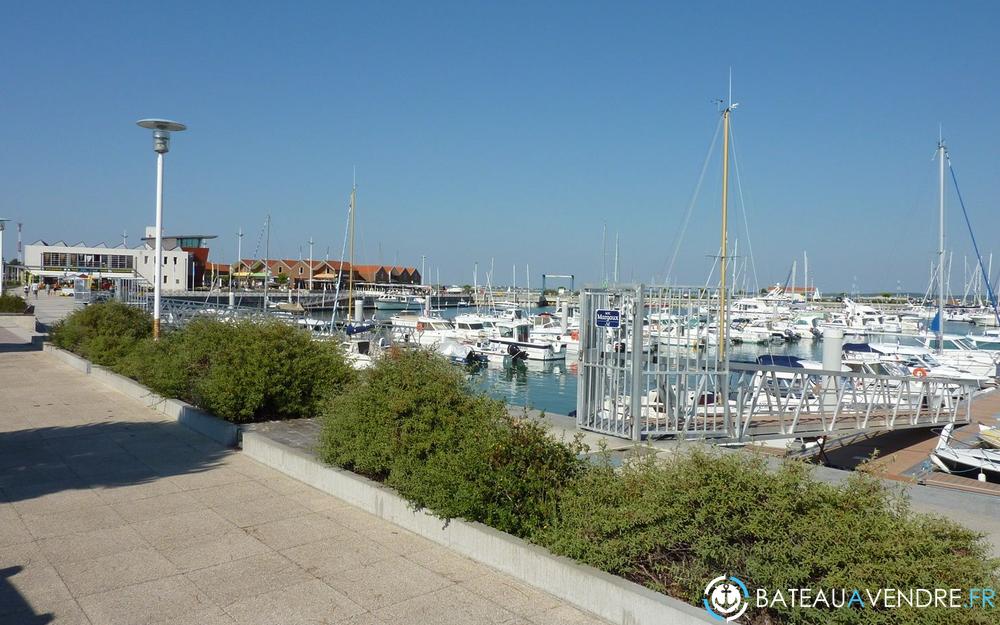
(161, 132)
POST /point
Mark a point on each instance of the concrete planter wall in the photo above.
(19, 321)
(608, 596)
(193, 418)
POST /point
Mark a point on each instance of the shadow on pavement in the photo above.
(41, 461)
(13, 607)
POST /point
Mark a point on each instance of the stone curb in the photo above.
(185, 414)
(613, 598)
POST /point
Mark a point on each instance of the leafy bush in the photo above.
(242, 371)
(102, 333)
(413, 423)
(12, 304)
(673, 526)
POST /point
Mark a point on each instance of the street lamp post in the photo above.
(161, 145)
(3, 267)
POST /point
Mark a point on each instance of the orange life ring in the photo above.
(575, 335)
(420, 326)
(920, 372)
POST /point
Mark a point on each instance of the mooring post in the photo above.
(638, 305)
(583, 374)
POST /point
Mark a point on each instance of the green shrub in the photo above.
(102, 333)
(12, 304)
(412, 422)
(244, 371)
(674, 525)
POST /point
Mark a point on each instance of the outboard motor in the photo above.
(516, 353)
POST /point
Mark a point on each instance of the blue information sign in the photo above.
(605, 318)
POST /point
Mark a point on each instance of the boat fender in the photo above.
(920, 372)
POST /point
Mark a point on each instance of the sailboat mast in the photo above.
(350, 272)
(940, 329)
(723, 260)
(805, 274)
(267, 260)
(616, 258)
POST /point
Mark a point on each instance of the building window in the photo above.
(175, 261)
(300, 271)
(164, 279)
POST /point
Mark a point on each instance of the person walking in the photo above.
(34, 289)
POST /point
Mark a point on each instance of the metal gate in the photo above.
(648, 366)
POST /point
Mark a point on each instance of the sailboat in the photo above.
(356, 324)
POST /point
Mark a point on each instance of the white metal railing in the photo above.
(659, 382)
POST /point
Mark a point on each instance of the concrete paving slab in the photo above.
(386, 582)
(242, 579)
(35, 583)
(565, 615)
(295, 531)
(307, 603)
(157, 507)
(332, 555)
(117, 570)
(214, 549)
(183, 530)
(118, 493)
(13, 532)
(149, 603)
(72, 521)
(90, 545)
(449, 606)
(233, 493)
(259, 511)
(448, 564)
(512, 595)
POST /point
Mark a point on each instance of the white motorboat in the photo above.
(759, 332)
(420, 330)
(516, 333)
(398, 301)
(460, 353)
(953, 456)
(905, 361)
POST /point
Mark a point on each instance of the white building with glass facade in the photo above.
(62, 262)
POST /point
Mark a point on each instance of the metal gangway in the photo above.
(650, 368)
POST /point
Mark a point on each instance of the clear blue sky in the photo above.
(510, 130)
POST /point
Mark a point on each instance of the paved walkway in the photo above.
(112, 515)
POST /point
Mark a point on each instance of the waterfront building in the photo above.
(250, 272)
(60, 262)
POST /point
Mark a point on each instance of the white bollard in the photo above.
(833, 345)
